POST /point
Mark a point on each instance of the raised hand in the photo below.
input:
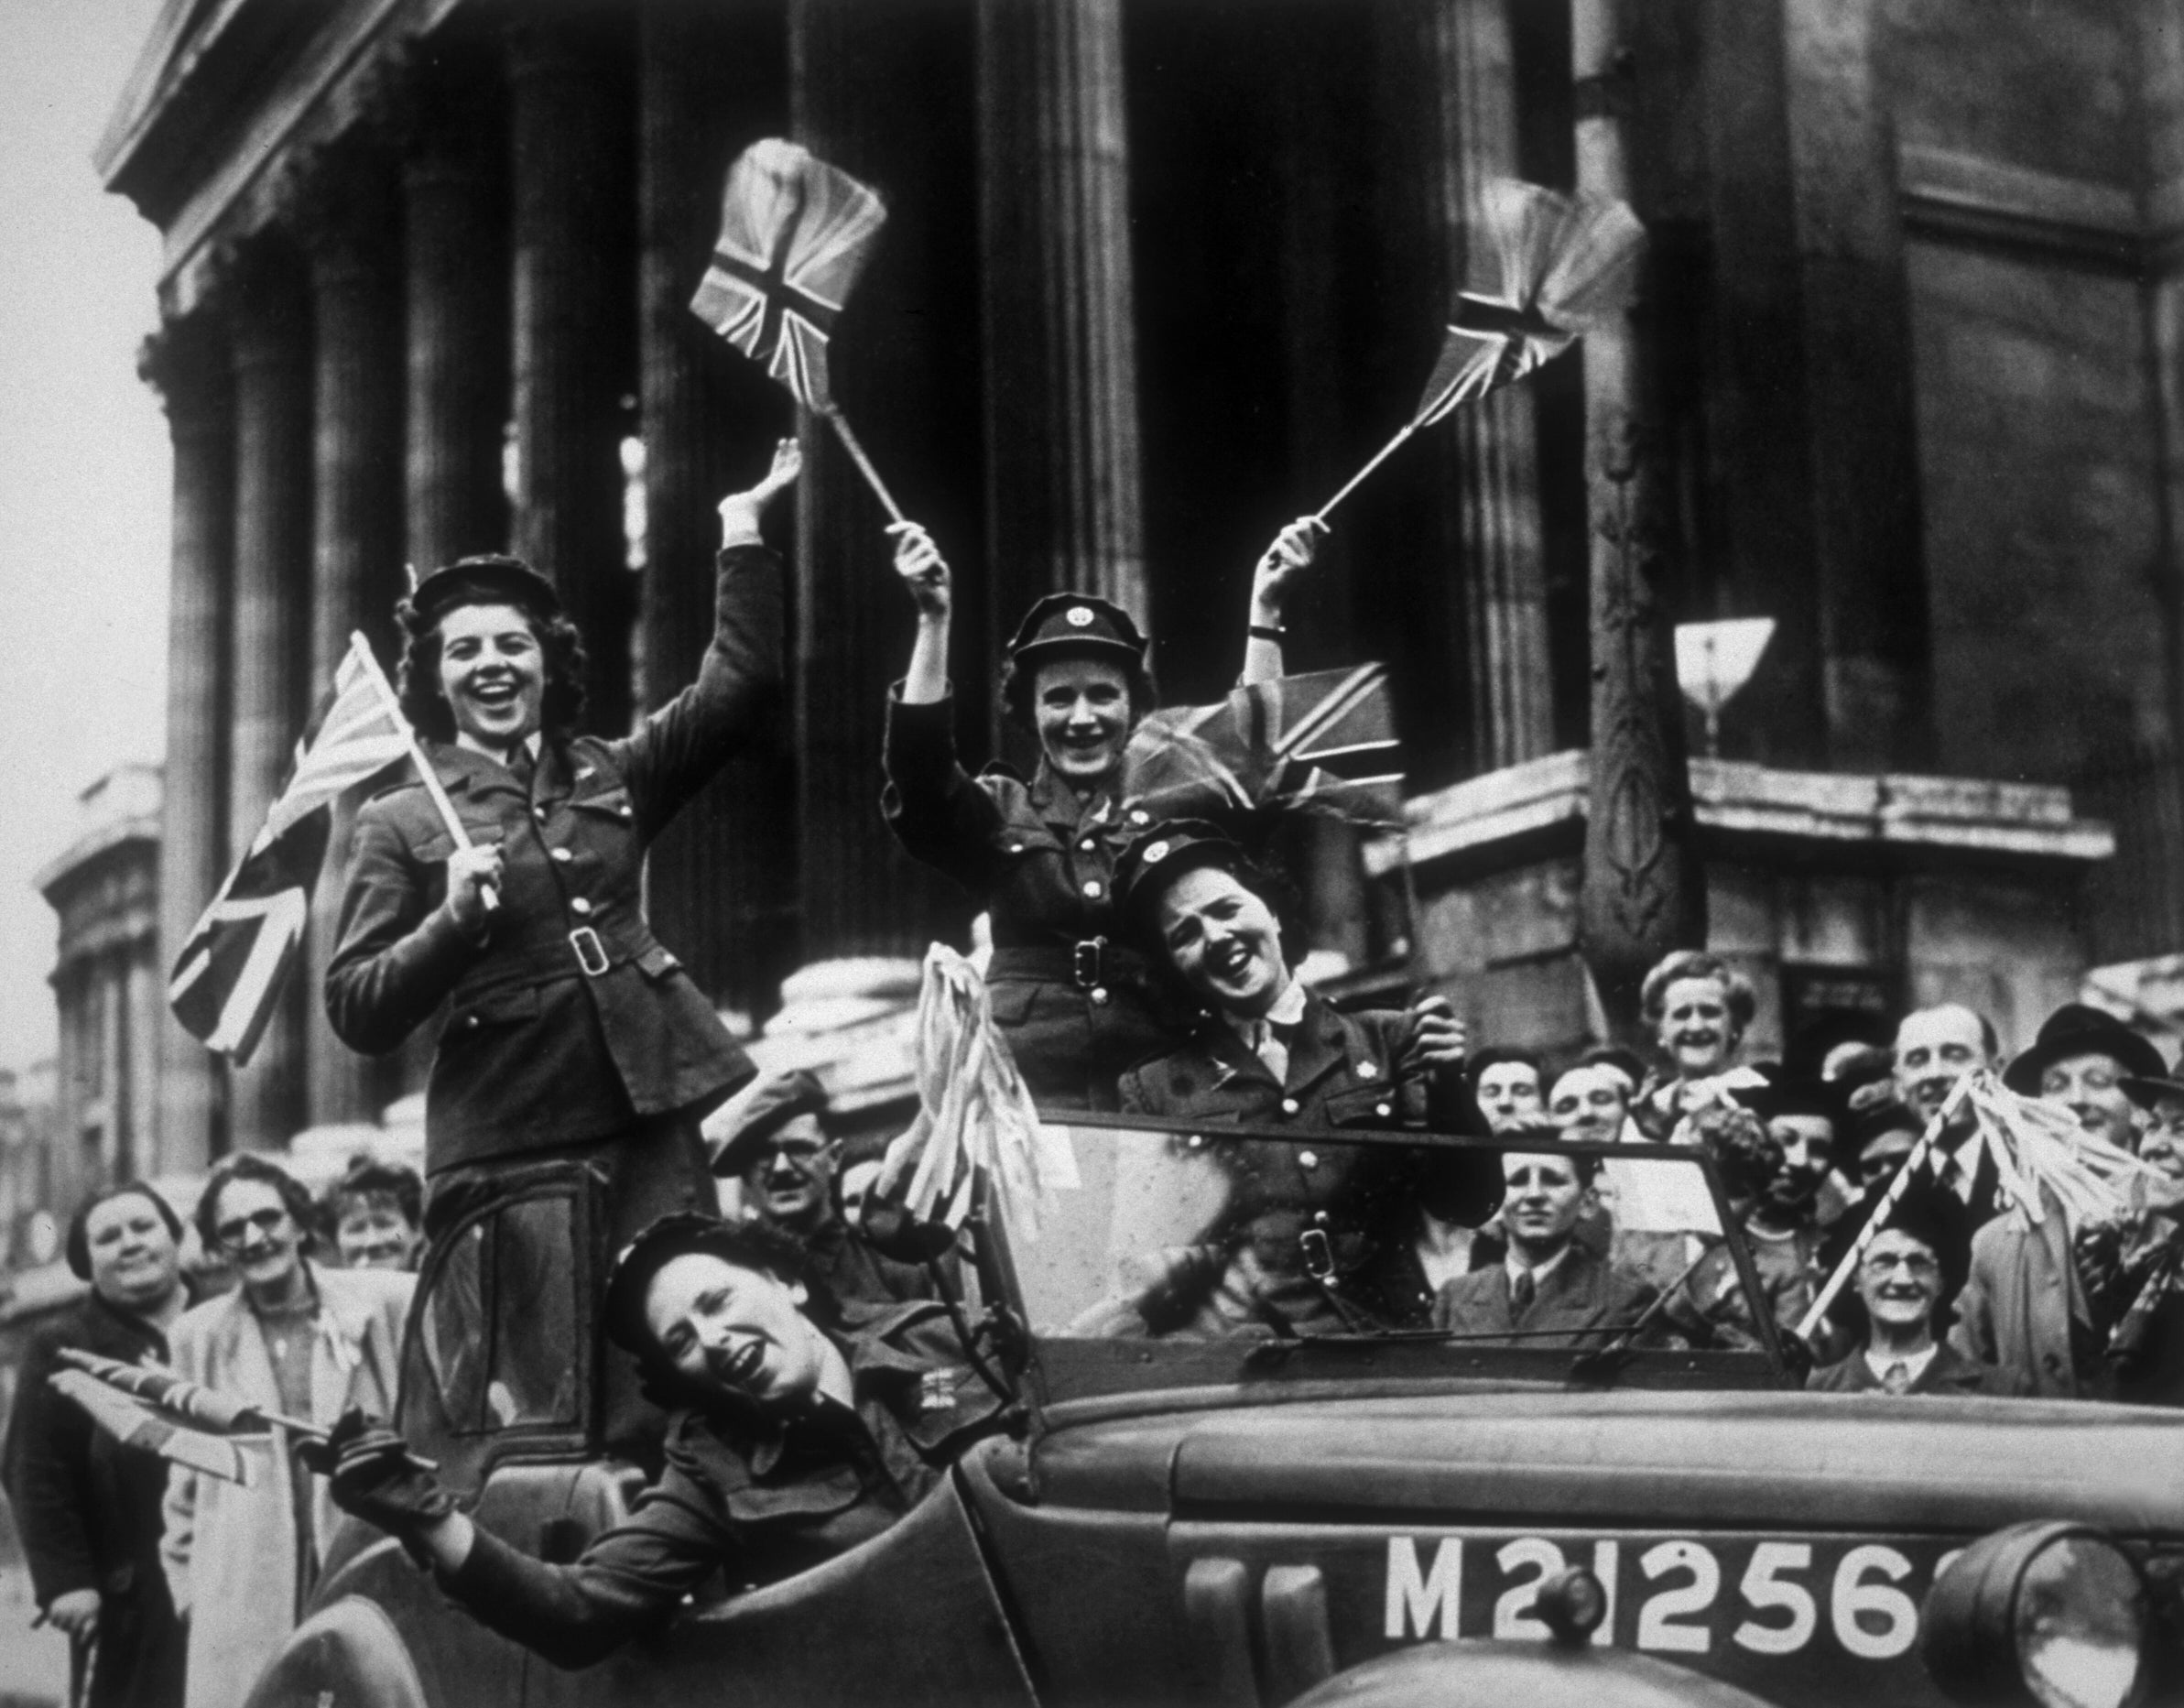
(1433, 1037)
(472, 873)
(740, 511)
(371, 1474)
(923, 570)
(1286, 560)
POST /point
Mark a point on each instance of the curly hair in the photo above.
(1737, 994)
(78, 1245)
(1743, 1153)
(417, 677)
(1268, 883)
(1019, 684)
(370, 1181)
(245, 1165)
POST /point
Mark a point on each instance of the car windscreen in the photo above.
(1192, 1257)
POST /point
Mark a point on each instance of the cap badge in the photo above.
(1156, 853)
(1078, 617)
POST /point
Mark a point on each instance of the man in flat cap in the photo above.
(772, 1138)
(1905, 1282)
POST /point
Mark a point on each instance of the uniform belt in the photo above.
(1087, 965)
(581, 953)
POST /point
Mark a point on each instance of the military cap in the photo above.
(757, 1112)
(1076, 626)
(2149, 1090)
(747, 1244)
(1156, 859)
(2077, 1029)
(490, 578)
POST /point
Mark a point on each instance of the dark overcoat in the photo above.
(1948, 1372)
(88, 1510)
(1579, 1304)
(1076, 1004)
(565, 1019)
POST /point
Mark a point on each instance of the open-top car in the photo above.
(1258, 1455)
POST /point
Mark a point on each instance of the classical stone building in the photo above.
(108, 994)
(1158, 273)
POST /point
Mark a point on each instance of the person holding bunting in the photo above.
(1076, 1003)
(571, 1031)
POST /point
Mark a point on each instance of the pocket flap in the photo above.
(657, 962)
(497, 1007)
(1012, 841)
(1365, 1105)
(1011, 1000)
(612, 803)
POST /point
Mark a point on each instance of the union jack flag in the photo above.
(794, 234)
(230, 973)
(1320, 743)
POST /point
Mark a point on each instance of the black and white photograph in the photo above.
(1091, 854)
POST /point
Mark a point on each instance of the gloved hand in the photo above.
(374, 1477)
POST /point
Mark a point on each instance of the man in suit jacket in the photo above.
(1549, 1289)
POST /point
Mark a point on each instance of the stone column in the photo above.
(1491, 448)
(719, 879)
(267, 632)
(569, 130)
(350, 229)
(188, 361)
(1061, 357)
(874, 90)
(455, 293)
(1643, 892)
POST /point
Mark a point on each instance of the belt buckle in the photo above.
(590, 954)
(1088, 961)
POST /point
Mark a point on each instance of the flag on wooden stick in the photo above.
(795, 235)
(134, 1423)
(229, 975)
(1568, 263)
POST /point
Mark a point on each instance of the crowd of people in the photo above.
(794, 1375)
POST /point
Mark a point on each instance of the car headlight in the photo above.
(2049, 1616)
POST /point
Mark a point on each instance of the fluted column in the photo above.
(1061, 358)
(267, 632)
(1643, 892)
(719, 879)
(351, 237)
(569, 156)
(1491, 447)
(188, 361)
(870, 90)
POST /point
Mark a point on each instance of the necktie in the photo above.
(522, 765)
(1896, 1378)
(1521, 1290)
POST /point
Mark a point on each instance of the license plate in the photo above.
(1711, 1599)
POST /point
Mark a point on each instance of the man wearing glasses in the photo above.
(1904, 1283)
(293, 1338)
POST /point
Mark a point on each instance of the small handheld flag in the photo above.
(230, 973)
(1323, 742)
(1568, 263)
(795, 235)
(134, 1423)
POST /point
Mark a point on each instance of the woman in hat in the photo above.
(1075, 1003)
(1307, 1229)
(571, 1031)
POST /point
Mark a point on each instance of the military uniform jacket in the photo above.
(1042, 864)
(755, 1499)
(566, 1020)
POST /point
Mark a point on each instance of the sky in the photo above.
(83, 470)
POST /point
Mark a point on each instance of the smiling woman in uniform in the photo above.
(1075, 1002)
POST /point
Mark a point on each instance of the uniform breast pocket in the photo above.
(1368, 1105)
(1014, 843)
(495, 1009)
(611, 806)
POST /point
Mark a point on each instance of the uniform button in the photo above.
(1099, 994)
(1307, 1160)
(623, 811)
(1288, 1105)
(1381, 1108)
(1140, 816)
(1365, 1069)
(562, 856)
(540, 812)
(581, 905)
(1319, 1218)
(1088, 843)
(1092, 887)
(1016, 847)
(1197, 1141)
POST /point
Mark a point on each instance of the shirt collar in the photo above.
(1915, 1365)
(1288, 1010)
(1516, 1266)
(470, 743)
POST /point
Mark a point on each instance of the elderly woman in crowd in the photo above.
(293, 1338)
(86, 1507)
(1700, 1008)
(570, 1032)
(377, 1214)
(794, 1439)
(1076, 1002)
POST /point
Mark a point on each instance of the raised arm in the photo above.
(1278, 568)
(932, 590)
(685, 741)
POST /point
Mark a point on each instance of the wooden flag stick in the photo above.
(1913, 1159)
(864, 462)
(425, 773)
(1357, 479)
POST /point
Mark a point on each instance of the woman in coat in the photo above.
(1075, 1002)
(293, 1338)
(570, 1030)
